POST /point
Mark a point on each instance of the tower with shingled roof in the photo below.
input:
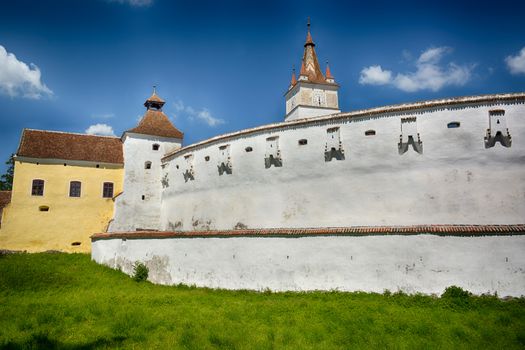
(139, 205)
(313, 93)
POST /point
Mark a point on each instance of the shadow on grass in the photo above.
(42, 341)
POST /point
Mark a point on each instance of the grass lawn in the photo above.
(67, 301)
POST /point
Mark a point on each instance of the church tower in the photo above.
(313, 94)
(138, 206)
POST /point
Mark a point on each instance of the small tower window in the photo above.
(207, 158)
(147, 165)
(107, 191)
(155, 146)
(248, 149)
(303, 142)
(37, 188)
(43, 208)
(74, 188)
(370, 133)
(453, 125)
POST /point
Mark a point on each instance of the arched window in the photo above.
(155, 146)
(37, 188)
(74, 188)
(147, 165)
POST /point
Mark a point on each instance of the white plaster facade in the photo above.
(419, 263)
(455, 179)
(138, 206)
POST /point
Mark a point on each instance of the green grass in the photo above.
(67, 301)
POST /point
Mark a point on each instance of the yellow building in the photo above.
(63, 191)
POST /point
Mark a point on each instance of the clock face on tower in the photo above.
(318, 99)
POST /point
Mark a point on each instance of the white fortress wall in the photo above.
(413, 263)
(454, 180)
(138, 207)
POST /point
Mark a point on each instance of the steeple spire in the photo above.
(310, 63)
(294, 79)
(309, 40)
(329, 77)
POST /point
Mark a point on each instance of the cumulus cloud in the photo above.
(100, 129)
(204, 115)
(375, 75)
(430, 74)
(17, 78)
(516, 64)
(134, 3)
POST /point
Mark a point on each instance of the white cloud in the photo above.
(206, 117)
(429, 73)
(375, 75)
(516, 64)
(17, 78)
(100, 129)
(203, 114)
(135, 3)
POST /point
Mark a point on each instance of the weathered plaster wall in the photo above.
(138, 207)
(419, 263)
(455, 180)
(69, 219)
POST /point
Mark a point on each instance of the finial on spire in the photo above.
(154, 89)
(309, 40)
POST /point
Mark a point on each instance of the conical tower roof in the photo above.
(155, 122)
(310, 64)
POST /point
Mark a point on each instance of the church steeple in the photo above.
(313, 93)
(154, 101)
(312, 70)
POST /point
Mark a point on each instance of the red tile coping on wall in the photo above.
(442, 230)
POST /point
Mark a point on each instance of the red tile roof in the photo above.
(69, 146)
(5, 198)
(156, 123)
(440, 230)
(310, 64)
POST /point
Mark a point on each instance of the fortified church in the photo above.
(413, 197)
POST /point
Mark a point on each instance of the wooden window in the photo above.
(155, 146)
(37, 188)
(107, 191)
(74, 188)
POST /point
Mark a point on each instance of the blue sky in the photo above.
(225, 65)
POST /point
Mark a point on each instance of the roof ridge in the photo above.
(70, 133)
